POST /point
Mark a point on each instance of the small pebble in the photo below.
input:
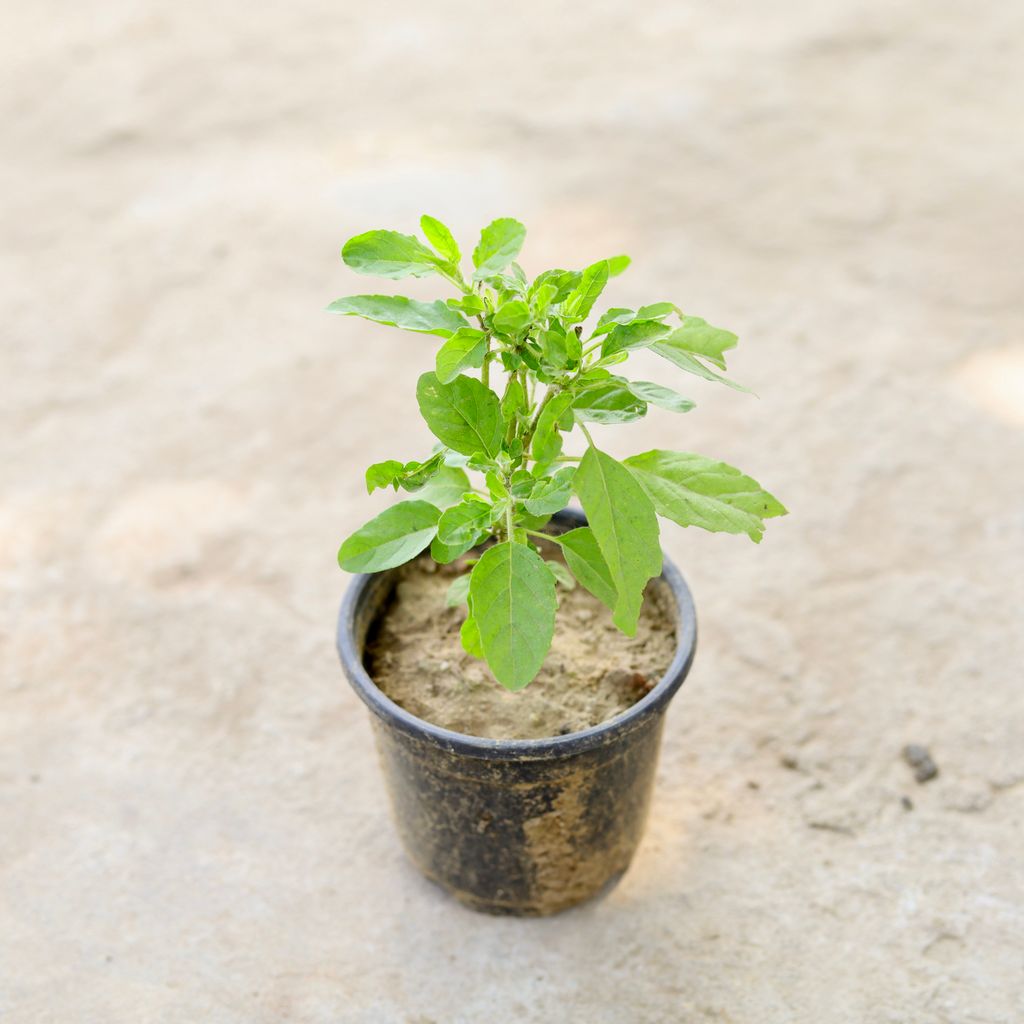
(920, 759)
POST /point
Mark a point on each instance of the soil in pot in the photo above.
(592, 673)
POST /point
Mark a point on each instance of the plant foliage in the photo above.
(516, 373)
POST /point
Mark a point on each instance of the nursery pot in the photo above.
(524, 827)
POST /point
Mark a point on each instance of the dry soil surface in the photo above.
(193, 824)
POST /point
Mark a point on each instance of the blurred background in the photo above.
(193, 825)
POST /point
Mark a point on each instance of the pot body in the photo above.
(524, 827)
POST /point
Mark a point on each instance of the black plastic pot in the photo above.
(523, 827)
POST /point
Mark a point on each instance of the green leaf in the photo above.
(514, 400)
(411, 476)
(389, 254)
(415, 475)
(685, 361)
(384, 474)
(696, 340)
(398, 311)
(547, 443)
(562, 281)
(554, 345)
(612, 318)
(470, 637)
(700, 338)
(499, 245)
(617, 264)
(562, 575)
(446, 487)
(632, 335)
(458, 591)
(396, 535)
(551, 494)
(464, 350)
(626, 527)
(584, 558)
(610, 401)
(578, 305)
(693, 490)
(463, 414)
(470, 303)
(655, 394)
(462, 523)
(657, 311)
(511, 317)
(443, 553)
(512, 596)
(441, 239)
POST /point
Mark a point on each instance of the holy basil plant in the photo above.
(515, 374)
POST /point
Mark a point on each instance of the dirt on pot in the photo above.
(592, 673)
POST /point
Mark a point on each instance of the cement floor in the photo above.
(193, 824)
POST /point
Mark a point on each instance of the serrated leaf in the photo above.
(464, 350)
(445, 487)
(693, 490)
(579, 303)
(626, 528)
(463, 414)
(390, 539)
(389, 254)
(655, 394)
(551, 494)
(398, 311)
(458, 591)
(499, 245)
(610, 401)
(635, 334)
(547, 442)
(512, 596)
(438, 235)
(584, 558)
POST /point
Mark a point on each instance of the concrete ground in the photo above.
(193, 824)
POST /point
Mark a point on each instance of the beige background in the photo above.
(192, 819)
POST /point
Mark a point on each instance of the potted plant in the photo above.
(516, 822)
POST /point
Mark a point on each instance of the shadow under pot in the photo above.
(522, 827)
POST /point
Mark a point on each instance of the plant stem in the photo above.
(586, 434)
(546, 536)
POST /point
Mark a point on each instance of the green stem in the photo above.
(509, 522)
(546, 536)
(586, 434)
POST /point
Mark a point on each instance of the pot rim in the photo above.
(550, 747)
